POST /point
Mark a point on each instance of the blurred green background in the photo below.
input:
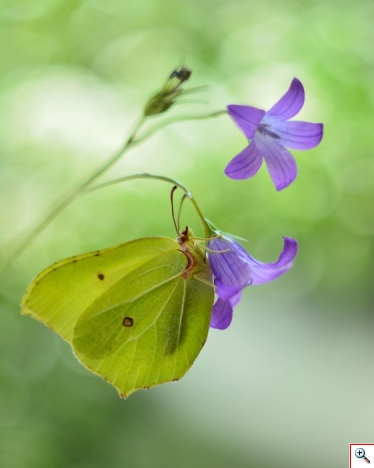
(289, 384)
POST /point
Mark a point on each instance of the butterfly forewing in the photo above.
(62, 292)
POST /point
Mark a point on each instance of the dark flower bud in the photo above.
(183, 74)
(165, 98)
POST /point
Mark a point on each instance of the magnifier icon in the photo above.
(360, 453)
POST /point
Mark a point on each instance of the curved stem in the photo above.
(170, 180)
(70, 196)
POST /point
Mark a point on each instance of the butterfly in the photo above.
(136, 314)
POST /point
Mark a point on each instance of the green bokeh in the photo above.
(286, 380)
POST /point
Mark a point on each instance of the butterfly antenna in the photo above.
(180, 210)
(172, 208)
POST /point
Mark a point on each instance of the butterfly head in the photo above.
(185, 236)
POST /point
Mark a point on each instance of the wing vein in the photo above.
(133, 299)
(181, 315)
(159, 314)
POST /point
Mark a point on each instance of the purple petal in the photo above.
(245, 164)
(226, 292)
(279, 161)
(296, 134)
(235, 299)
(229, 262)
(291, 103)
(247, 118)
(221, 315)
(265, 272)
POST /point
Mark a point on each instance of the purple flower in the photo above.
(234, 269)
(270, 132)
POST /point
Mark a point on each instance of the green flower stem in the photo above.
(145, 175)
(65, 201)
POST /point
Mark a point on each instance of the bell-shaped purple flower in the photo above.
(234, 269)
(270, 132)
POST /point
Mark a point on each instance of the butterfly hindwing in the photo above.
(148, 328)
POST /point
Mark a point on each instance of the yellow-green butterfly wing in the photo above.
(137, 314)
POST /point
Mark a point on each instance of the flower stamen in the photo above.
(263, 129)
